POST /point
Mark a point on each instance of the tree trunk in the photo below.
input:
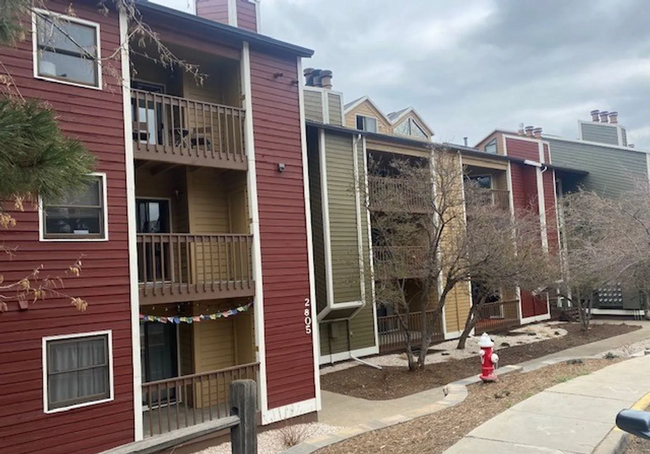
(470, 323)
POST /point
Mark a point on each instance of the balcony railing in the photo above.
(399, 261)
(392, 336)
(499, 316)
(394, 194)
(499, 198)
(181, 266)
(184, 131)
(185, 401)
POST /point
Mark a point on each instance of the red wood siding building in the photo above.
(526, 196)
(247, 15)
(285, 266)
(96, 118)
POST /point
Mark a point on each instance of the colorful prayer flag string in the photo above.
(197, 318)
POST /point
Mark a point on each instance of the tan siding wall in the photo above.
(485, 163)
(368, 110)
(334, 105)
(313, 105)
(342, 216)
(208, 202)
(457, 307)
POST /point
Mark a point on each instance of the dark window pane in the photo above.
(62, 66)
(76, 221)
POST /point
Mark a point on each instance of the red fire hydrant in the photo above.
(489, 359)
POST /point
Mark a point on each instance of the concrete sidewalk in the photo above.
(572, 417)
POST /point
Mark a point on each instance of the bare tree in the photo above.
(503, 251)
(430, 241)
(607, 244)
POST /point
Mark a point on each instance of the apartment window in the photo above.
(411, 128)
(366, 123)
(77, 370)
(491, 146)
(66, 49)
(79, 217)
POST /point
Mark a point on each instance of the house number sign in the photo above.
(307, 313)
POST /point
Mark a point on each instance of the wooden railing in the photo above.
(392, 336)
(500, 198)
(184, 131)
(498, 316)
(398, 261)
(185, 401)
(177, 266)
(389, 194)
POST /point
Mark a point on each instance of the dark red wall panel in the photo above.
(285, 267)
(246, 15)
(95, 118)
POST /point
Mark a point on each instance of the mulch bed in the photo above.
(394, 382)
(437, 432)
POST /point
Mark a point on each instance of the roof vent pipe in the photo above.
(326, 79)
(309, 78)
(465, 140)
(594, 115)
(537, 133)
(613, 117)
(603, 116)
(529, 131)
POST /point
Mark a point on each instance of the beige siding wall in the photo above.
(335, 109)
(366, 109)
(342, 217)
(313, 105)
(457, 307)
(208, 201)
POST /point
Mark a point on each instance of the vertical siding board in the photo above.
(289, 352)
(80, 111)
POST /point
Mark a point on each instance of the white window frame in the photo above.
(41, 217)
(39, 12)
(111, 384)
(367, 116)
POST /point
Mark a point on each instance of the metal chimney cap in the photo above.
(594, 112)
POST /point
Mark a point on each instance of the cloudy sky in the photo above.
(472, 66)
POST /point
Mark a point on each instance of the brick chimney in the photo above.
(529, 131)
(238, 13)
(594, 115)
(613, 118)
(603, 116)
(537, 133)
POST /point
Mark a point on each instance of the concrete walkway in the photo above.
(572, 417)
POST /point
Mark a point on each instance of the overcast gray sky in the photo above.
(472, 66)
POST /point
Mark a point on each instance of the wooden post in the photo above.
(243, 400)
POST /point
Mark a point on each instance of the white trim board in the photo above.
(251, 182)
(315, 328)
(111, 381)
(232, 13)
(74, 20)
(132, 229)
(289, 411)
(348, 354)
(628, 312)
(536, 318)
(453, 335)
(370, 252)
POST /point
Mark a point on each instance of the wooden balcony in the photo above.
(399, 262)
(496, 317)
(177, 267)
(394, 194)
(392, 336)
(499, 198)
(188, 132)
(176, 403)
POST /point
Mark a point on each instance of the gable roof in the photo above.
(357, 102)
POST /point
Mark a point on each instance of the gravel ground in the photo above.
(520, 336)
(629, 350)
(272, 441)
(638, 446)
(435, 433)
